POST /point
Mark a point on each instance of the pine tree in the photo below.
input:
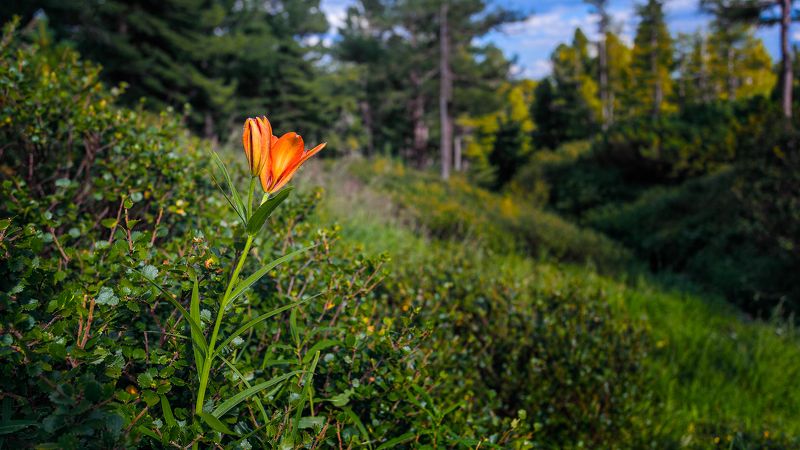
(164, 51)
(694, 83)
(762, 13)
(568, 102)
(740, 64)
(652, 60)
(619, 76)
(604, 85)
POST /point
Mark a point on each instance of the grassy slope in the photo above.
(713, 372)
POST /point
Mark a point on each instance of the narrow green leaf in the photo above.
(168, 416)
(237, 203)
(254, 322)
(148, 432)
(216, 424)
(361, 428)
(293, 327)
(249, 281)
(231, 403)
(318, 347)
(12, 426)
(246, 383)
(263, 212)
(197, 339)
(228, 198)
(194, 325)
(391, 443)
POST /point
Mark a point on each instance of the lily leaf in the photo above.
(263, 212)
(253, 322)
(235, 200)
(195, 326)
(197, 337)
(249, 281)
(231, 403)
(216, 424)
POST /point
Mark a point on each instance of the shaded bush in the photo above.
(694, 141)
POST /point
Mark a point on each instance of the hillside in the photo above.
(709, 375)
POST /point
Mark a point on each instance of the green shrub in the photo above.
(694, 141)
(558, 362)
(502, 223)
(98, 199)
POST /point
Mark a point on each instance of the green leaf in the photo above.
(293, 327)
(361, 428)
(263, 212)
(216, 424)
(246, 383)
(231, 403)
(12, 426)
(235, 201)
(147, 432)
(192, 323)
(249, 281)
(396, 441)
(315, 423)
(198, 339)
(167, 409)
(342, 399)
(254, 322)
(150, 272)
(318, 347)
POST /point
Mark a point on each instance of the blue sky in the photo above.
(553, 21)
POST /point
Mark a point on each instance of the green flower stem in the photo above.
(206, 370)
(250, 196)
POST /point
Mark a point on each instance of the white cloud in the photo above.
(538, 69)
(336, 12)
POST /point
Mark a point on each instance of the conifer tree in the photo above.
(603, 25)
(740, 64)
(652, 59)
(619, 76)
(763, 13)
(568, 102)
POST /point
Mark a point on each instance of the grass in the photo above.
(716, 377)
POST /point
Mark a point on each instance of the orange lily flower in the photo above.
(286, 155)
(257, 140)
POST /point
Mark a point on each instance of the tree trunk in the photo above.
(658, 93)
(366, 116)
(445, 92)
(731, 81)
(419, 127)
(457, 154)
(602, 53)
(786, 58)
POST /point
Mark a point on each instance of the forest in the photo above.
(254, 224)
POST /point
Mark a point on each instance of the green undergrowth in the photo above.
(710, 376)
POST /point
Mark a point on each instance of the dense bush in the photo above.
(503, 223)
(571, 181)
(96, 201)
(558, 362)
(702, 229)
(694, 141)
